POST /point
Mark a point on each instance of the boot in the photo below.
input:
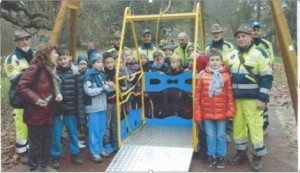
(256, 163)
(240, 157)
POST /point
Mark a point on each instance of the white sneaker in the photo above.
(81, 145)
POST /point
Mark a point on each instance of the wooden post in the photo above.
(287, 49)
(73, 5)
(59, 22)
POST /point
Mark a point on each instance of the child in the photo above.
(96, 88)
(145, 62)
(38, 115)
(110, 140)
(176, 66)
(70, 111)
(82, 62)
(159, 65)
(214, 103)
(168, 51)
(133, 67)
(191, 61)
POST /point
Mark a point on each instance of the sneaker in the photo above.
(97, 158)
(47, 169)
(220, 162)
(210, 161)
(76, 159)
(81, 145)
(55, 162)
(108, 148)
(104, 153)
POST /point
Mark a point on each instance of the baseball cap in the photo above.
(244, 29)
(256, 24)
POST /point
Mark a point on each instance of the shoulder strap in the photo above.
(242, 61)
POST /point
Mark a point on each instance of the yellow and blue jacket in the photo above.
(266, 45)
(222, 45)
(244, 85)
(16, 63)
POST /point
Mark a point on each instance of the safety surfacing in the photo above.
(155, 148)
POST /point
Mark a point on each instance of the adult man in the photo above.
(182, 49)
(116, 43)
(146, 45)
(251, 80)
(14, 64)
(256, 33)
(218, 41)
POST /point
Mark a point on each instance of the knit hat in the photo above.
(82, 58)
(143, 53)
(243, 29)
(117, 34)
(146, 31)
(94, 56)
(168, 46)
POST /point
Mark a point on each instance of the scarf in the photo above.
(216, 82)
(95, 75)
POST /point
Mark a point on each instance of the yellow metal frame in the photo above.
(131, 19)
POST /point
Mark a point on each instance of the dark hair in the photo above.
(214, 52)
(107, 55)
(62, 52)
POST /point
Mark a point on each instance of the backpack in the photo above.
(15, 98)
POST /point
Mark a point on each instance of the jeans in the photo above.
(111, 134)
(97, 128)
(70, 121)
(215, 137)
(39, 137)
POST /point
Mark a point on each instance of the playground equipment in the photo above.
(166, 144)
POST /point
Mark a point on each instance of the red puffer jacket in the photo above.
(33, 114)
(218, 107)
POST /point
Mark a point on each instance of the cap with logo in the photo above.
(256, 24)
(21, 34)
(216, 28)
(146, 31)
(243, 29)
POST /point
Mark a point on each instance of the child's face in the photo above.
(175, 64)
(128, 56)
(168, 52)
(144, 60)
(53, 57)
(158, 60)
(63, 61)
(214, 61)
(98, 65)
(83, 65)
(190, 50)
(109, 63)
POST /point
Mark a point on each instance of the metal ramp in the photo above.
(156, 148)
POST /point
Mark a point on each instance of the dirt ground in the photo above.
(282, 142)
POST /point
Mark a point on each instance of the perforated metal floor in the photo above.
(155, 148)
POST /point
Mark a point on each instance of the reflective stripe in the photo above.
(265, 73)
(259, 149)
(243, 71)
(264, 90)
(21, 150)
(240, 141)
(245, 86)
(241, 144)
(21, 142)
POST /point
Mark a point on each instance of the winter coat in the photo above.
(95, 95)
(72, 92)
(33, 114)
(218, 107)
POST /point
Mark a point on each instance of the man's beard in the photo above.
(25, 49)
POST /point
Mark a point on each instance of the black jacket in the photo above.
(72, 92)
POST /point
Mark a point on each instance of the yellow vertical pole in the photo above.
(73, 5)
(194, 125)
(126, 13)
(201, 31)
(59, 22)
(287, 49)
